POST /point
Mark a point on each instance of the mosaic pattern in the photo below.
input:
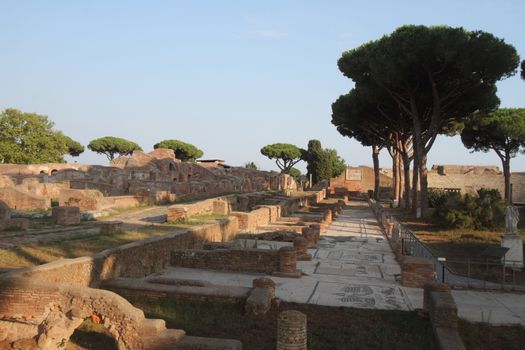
(360, 296)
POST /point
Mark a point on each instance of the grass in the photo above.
(328, 327)
(197, 220)
(85, 245)
(482, 336)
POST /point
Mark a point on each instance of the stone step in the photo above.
(168, 339)
(152, 327)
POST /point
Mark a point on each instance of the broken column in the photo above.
(260, 299)
(66, 215)
(301, 246)
(291, 331)
(310, 237)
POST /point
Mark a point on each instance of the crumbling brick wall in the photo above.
(235, 259)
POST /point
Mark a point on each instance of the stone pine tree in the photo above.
(74, 148)
(523, 69)
(502, 132)
(286, 155)
(29, 138)
(186, 152)
(111, 146)
(435, 75)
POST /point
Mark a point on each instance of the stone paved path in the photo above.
(355, 267)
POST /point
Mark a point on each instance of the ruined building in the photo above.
(128, 181)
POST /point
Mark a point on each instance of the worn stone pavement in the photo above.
(354, 266)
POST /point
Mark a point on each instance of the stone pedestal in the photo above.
(65, 215)
(301, 246)
(310, 236)
(514, 257)
(291, 331)
(287, 263)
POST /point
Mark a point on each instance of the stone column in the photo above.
(316, 228)
(301, 245)
(310, 237)
(291, 331)
(287, 260)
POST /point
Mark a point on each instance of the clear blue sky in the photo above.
(227, 76)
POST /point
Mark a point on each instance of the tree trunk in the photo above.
(399, 173)
(395, 175)
(375, 157)
(406, 170)
(415, 181)
(506, 175)
(423, 181)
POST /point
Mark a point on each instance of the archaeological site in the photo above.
(238, 175)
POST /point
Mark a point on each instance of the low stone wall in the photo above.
(57, 295)
(218, 205)
(19, 200)
(248, 222)
(235, 259)
(137, 259)
(440, 307)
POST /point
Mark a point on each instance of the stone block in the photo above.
(415, 271)
(66, 215)
(109, 227)
(259, 302)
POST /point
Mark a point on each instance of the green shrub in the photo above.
(483, 211)
(54, 202)
(436, 197)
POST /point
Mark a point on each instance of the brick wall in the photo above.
(235, 259)
(136, 259)
(23, 200)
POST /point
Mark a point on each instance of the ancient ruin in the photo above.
(141, 178)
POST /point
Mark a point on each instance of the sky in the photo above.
(226, 76)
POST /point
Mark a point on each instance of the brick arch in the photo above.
(51, 313)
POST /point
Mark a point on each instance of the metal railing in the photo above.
(457, 272)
